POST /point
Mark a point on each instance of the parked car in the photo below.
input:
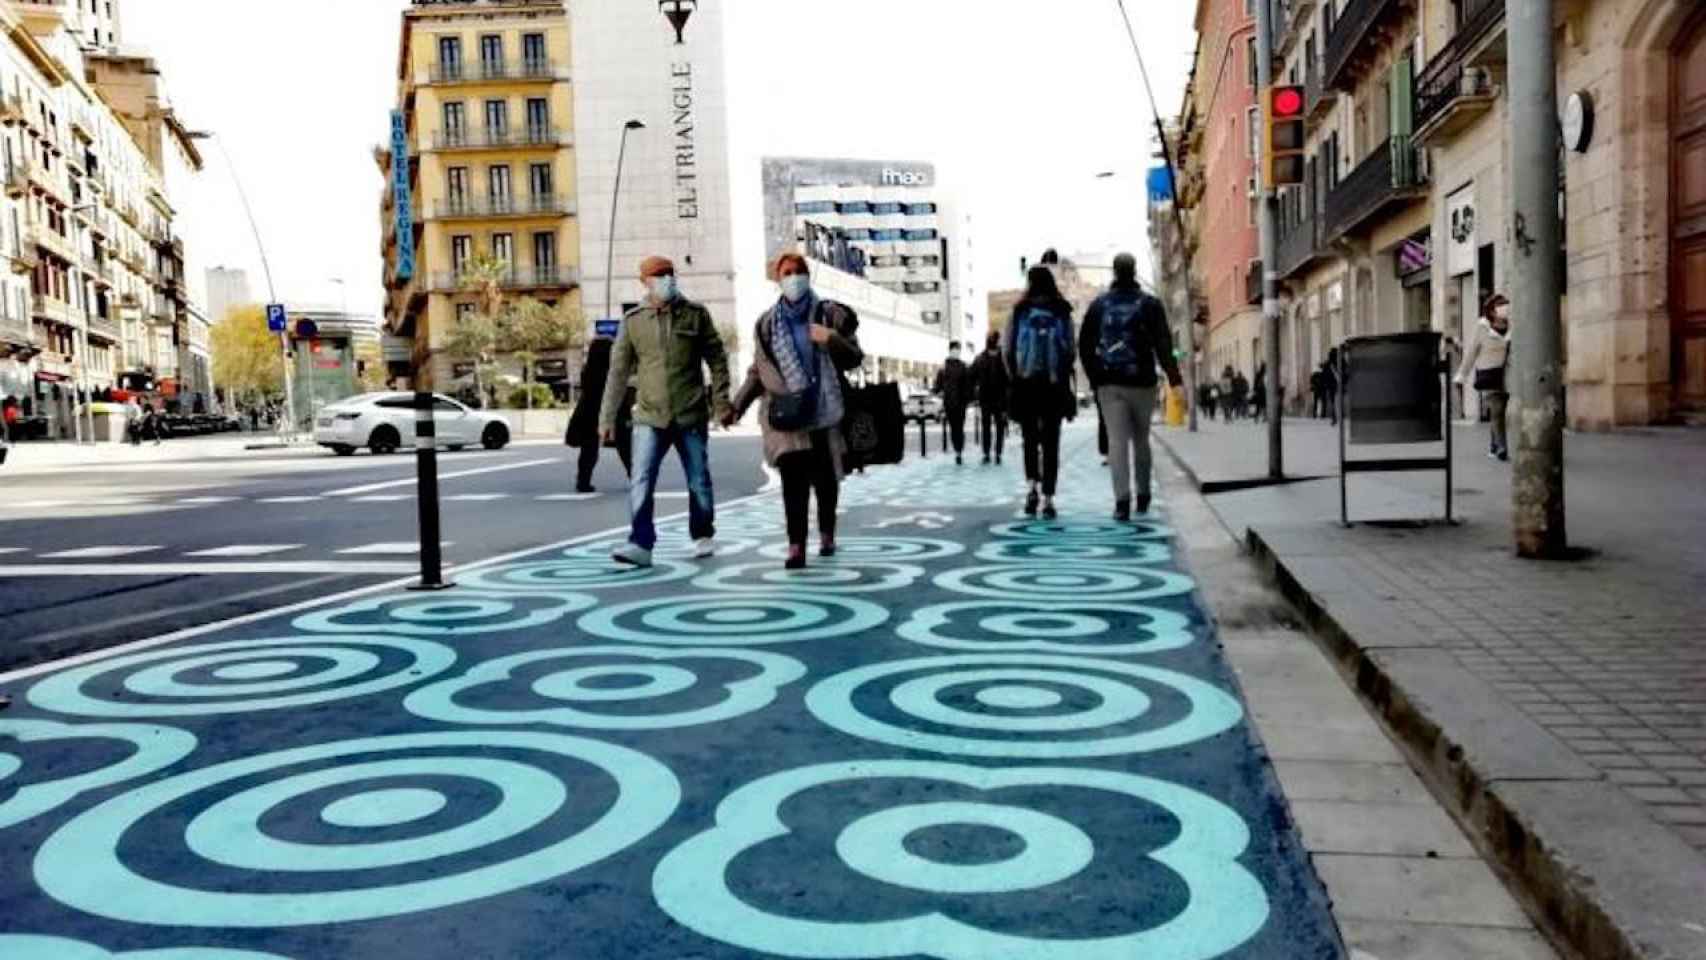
(923, 406)
(385, 422)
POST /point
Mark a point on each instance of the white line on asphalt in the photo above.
(406, 481)
(383, 498)
(288, 500)
(38, 504)
(247, 550)
(670, 495)
(478, 497)
(568, 497)
(772, 479)
(14, 550)
(189, 633)
(201, 569)
(97, 553)
(388, 549)
(207, 501)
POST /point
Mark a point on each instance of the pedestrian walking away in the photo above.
(1124, 338)
(1484, 366)
(990, 380)
(665, 346)
(1240, 395)
(954, 386)
(1038, 347)
(1330, 385)
(1228, 398)
(805, 345)
(583, 423)
(1259, 394)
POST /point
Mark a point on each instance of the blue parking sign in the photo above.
(276, 318)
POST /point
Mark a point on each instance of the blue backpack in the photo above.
(1039, 343)
(1118, 348)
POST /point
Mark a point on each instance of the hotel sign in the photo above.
(402, 195)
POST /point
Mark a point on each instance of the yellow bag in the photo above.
(1175, 407)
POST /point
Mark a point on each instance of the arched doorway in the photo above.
(1688, 220)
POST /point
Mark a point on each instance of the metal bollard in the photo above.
(923, 440)
(426, 496)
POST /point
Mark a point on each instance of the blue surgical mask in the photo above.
(662, 288)
(796, 286)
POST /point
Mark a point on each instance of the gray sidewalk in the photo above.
(1561, 708)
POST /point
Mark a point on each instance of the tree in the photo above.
(477, 338)
(247, 358)
(531, 327)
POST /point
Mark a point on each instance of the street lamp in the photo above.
(272, 292)
(88, 414)
(615, 198)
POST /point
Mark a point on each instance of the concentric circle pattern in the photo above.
(463, 613)
(84, 865)
(878, 549)
(198, 680)
(752, 619)
(1082, 531)
(1064, 581)
(1110, 552)
(1096, 708)
(676, 547)
(1031, 626)
(841, 577)
(571, 574)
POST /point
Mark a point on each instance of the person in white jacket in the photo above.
(1484, 367)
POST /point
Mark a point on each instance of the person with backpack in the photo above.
(953, 385)
(1125, 337)
(583, 423)
(1038, 346)
(991, 384)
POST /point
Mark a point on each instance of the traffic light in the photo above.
(1282, 148)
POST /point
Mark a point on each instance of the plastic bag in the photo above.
(1175, 407)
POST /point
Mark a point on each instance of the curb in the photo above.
(1596, 869)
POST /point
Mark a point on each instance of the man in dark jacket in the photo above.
(1124, 338)
(583, 423)
(989, 380)
(953, 385)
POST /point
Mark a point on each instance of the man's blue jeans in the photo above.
(650, 446)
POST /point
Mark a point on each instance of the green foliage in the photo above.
(532, 396)
(247, 359)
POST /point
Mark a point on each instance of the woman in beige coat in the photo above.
(1484, 366)
(802, 346)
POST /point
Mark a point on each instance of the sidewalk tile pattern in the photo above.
(967, 737)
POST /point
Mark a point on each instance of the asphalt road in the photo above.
(968, 736)
(95, 556)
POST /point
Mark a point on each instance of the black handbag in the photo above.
(794, 411)
(875, 425)
(1491, 380)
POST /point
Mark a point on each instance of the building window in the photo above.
(538, 119)
(540, 181)
(533, 52)
(497, 118)
(503, 248)
(491, 55)
(1255, 200)
(498, 186)
(464, 312)
(455, 122)
(545, 252)
(461, 251)
(1253, 123)
(450, 57)
(456, 179)
(1250, 60)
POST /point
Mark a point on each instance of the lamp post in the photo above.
(266, 267)
(88, 416)
(615, 199)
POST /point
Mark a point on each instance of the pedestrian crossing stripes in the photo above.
(247, 550)
(10, 509)
(387, 549)
(287, 500)
(477, 497)
(383, 498)
(98, 553)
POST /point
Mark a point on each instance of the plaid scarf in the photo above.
(830, 405)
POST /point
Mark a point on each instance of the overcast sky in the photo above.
(1019, 104)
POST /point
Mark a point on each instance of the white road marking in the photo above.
(383, 498)
(247, 550)
(37, 504)
(188, 633)
(206, 501)
(407, 481)
(568, 497)
(670, 495)
(14, 550)
(294, 568)
(772, 479)
(288, 500)
(388, 549)
(96, 553)
(478, 497)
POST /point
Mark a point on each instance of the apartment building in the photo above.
(487, 121)
(95, 299)
(1219, 141)
(1403, 222)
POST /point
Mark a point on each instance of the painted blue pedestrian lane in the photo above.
(969, 736)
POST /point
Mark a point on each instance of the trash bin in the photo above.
(1391, 388)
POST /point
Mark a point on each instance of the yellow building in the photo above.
(483, 89)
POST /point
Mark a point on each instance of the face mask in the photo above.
(662, 288)
(796, 285)
(953, 354)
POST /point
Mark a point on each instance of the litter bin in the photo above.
(1392, 393)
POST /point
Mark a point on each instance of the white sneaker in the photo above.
(633, 555)
(704, 549)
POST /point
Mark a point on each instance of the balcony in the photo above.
(100, 271)
(1390, 177)
(1318, 97)
(44, 237)
(44, 180)
(1455, 88)
(500, 71)
(51, 309)
(504, 138)
(483, 208)
(104, 329)
(519, 278)
(1363, 28)
(1292, 23)
(1299, 223)
(25, 259)
(11, 109)
(16, 332)
(160, 312)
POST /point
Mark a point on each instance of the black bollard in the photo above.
(923, 440)
(426, 495)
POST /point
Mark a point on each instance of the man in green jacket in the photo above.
(664, 346)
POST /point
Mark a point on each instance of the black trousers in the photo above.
(956, 427)
(1101, 428)
(589, 460)
(994, 430)
(804, 471)
(1042, 449)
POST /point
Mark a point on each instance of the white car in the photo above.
(385, 423)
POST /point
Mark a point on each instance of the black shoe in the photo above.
(1049, 512)
(1031, 501)
(959, 460)
(1122, 511)
(986, 459)
(585, 488)
(1143, 501)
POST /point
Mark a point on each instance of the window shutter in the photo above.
(1403, 113)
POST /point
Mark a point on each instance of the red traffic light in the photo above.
(1287, 102)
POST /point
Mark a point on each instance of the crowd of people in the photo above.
(659, 383)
